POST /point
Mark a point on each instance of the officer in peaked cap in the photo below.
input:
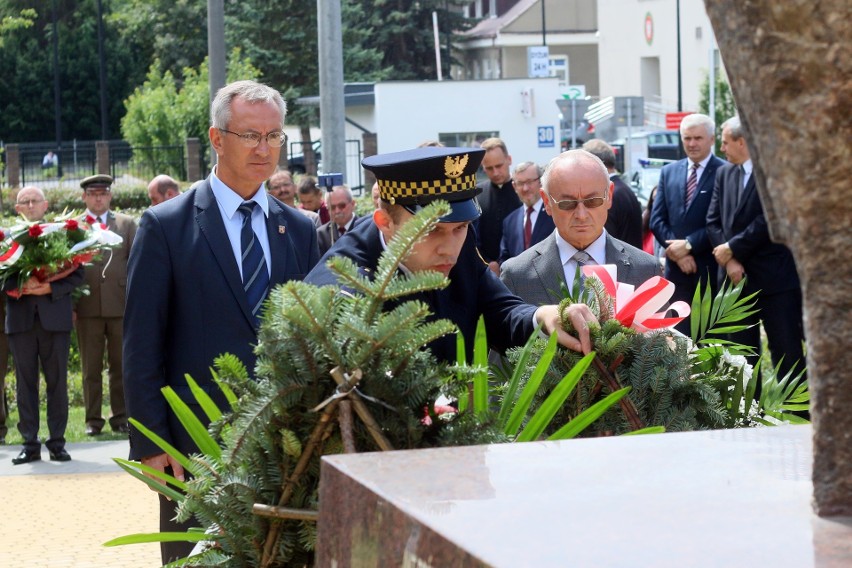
(99, 181)
(410, 180)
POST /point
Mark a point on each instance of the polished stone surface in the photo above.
(698, 499)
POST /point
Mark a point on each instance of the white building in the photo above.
(638, 50)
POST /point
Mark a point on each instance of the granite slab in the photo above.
(700, 499)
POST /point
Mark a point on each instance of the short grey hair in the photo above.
(526, 165)
(697, 119)
(250, 91)
(734, 126)
(344, 189)
(572, 157)
(602, 150)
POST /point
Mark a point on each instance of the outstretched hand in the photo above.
(579, 315)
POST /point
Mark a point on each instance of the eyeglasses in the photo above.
(30, 202)
(276, 139)
(571, 204)
(525, 183)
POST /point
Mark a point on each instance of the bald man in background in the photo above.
(162, 188)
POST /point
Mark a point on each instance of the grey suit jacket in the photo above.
(536, 275)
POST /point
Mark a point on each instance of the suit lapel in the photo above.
(615, 254)
(548, 267)
(210, 223)
(745, 195)
(280, 249)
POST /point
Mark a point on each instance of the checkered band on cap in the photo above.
(422, 175)
(394, 191)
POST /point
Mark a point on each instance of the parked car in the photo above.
(657, 144)
(646, 178)
(296, 157)
(583, 132)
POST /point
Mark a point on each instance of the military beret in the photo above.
(97, 181)
(415, 178)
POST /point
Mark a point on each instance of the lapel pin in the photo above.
(282, 229)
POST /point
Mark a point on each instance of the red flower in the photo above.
(90, 220)
(72, 225)
(35, 230)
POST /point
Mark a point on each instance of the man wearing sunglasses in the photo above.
(577, 194)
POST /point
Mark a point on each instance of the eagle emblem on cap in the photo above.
(454, 165)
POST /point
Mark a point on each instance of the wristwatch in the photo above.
(687, 245)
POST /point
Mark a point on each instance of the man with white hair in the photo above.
(679, 215)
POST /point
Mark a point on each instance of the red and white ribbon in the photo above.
(637, 307)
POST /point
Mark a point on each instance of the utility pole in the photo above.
(102, 73)
(215, 52)
(679, 83)
(332, 107)
(57, 100)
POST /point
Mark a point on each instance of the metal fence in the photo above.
(297, 163)
(142, 163)
(76, 160)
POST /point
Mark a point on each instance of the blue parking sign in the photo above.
(546, 137)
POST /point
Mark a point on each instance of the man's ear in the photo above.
(215, 136)
(545, 201)
(383, 221)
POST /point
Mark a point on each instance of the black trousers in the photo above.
(50, 348)
(781, 315)
(171, 551)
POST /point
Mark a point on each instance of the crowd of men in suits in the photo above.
(199, 265)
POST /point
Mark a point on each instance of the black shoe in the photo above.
(27, 457)
(59, 455)
(93, 430)
(121, 429)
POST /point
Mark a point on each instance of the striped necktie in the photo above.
(255, 273)
(582, 258)
(691, 184)
(528, 228)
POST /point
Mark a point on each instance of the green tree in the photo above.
(161, 113)
(725, 105)
(173, 32)
(401, 31)
(26, 65)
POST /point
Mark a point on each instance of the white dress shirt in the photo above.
(229, 201)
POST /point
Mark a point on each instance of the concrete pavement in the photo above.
(59, 514)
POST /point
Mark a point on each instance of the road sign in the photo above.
(574, 92)
(538, 57)
(673, 119)
(546, 137)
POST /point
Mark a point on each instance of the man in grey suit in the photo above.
(577, 193)
(341, 204)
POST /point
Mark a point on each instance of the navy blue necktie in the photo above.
(255, 274)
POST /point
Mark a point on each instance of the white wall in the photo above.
(408, 113)
(622, 45)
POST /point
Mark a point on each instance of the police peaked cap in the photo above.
(415, 178)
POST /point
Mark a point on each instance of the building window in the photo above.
(557, 65)
(465, 139)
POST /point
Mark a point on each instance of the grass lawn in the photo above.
(75, 432)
